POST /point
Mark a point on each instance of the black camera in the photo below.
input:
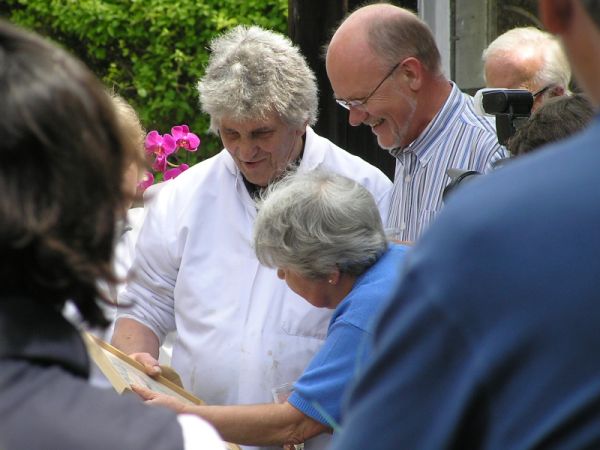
(511, 108)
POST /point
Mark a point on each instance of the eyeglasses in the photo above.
(357, 103)
(543, 90)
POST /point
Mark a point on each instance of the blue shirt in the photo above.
(492, 340)
(458, 138)
(318, 392)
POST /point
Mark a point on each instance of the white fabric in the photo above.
(199, 434)
(123, 257)
(125, 249)
(240, 330)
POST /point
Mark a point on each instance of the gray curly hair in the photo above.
(253, 72)
(315, 222)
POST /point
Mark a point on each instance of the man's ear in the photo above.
(300, 131)
(556, 91)
(411, 70)
(556, 15)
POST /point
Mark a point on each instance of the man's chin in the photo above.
(385, 144)
(384, 140)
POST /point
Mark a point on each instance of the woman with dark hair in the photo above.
(558, 118)
(63, 158)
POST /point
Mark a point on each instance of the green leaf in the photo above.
(152, 52)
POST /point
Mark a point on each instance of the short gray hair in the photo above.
(555, 69)
(253, 72)
(315, 222)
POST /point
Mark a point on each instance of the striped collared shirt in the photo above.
(457, 137)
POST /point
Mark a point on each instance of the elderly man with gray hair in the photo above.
(240, 330)
(527, 58)
(323, 233)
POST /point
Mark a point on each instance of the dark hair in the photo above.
(556, 119)
(62, 162)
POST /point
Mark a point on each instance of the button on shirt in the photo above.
(457, 137)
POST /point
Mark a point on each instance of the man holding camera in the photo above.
(385, 68)
(527, 58)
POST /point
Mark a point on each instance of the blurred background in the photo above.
(152, 52)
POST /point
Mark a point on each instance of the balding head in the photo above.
(384, 66)
(387, 33)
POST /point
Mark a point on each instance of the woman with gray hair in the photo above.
(324, 235)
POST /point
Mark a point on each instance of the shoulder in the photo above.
(81, 426)
(373, 289)
(203, 179)
(458, 128)
(210, 170)
(321, 152)
(480, 127)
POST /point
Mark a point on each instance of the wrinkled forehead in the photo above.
(514, 71)
(270, 121)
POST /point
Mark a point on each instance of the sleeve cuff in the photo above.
(305, 406)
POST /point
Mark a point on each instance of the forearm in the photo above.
(261, 425)
(130, 336)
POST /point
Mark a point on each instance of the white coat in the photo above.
(240, 330)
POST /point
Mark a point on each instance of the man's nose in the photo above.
(247, 149)
(356, 116)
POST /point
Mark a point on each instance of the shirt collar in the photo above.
(421, 146)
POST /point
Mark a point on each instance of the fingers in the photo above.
(144, 393)
(156, 399)
(151, 365)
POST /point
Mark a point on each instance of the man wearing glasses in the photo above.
(385, 68)
(527, 58)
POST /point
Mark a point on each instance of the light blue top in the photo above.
(319, 391)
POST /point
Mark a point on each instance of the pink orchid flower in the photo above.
(184, 139)
(159, 145)
(146, 182)
(174, 172)
(160, 163)
(164, 149)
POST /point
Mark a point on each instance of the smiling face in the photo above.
(262, 149)
(390, 111)
(354, 72)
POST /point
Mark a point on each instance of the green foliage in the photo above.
(151, 52)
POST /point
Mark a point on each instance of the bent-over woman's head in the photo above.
(316, 222)
(62, 163)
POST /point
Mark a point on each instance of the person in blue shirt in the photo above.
(323, 233)
(491, 341)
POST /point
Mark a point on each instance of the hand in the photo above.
(154, 398)
(151, 366)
